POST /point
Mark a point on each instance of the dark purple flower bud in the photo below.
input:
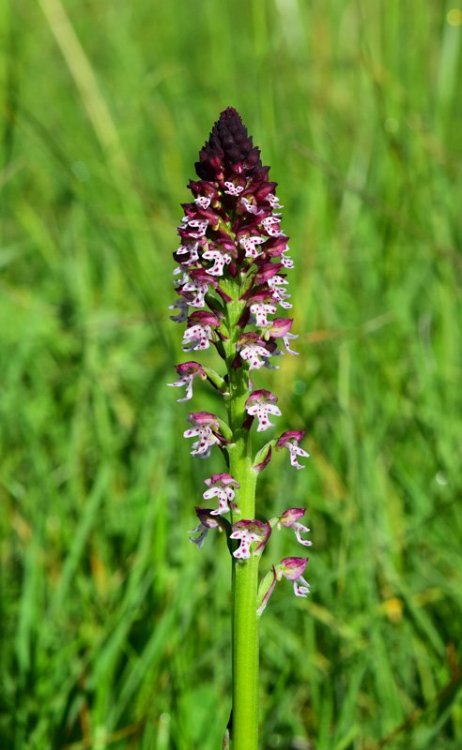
(203, 189)
(258, 294)
(263, 191)
(276, 247)
(191, 368)
(226, 244)
(229, 150)
(201, 276)
(267, 271)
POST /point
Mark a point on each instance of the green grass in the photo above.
(115, 631)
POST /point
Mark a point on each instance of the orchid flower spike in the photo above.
(231, 263)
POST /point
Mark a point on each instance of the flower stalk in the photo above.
(230, 280)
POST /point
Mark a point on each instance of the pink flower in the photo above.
(279, 295)
(222, 487)
(220, 260)
(250, 207)
(272, 226)
(187, 254)
(199, 227)
(196, 287)
(206, 428)
(253, 350)
(260, 404)
(250, 531)
(280, 328)
(187, 372)
(249, 244)
(289, 520)
(290, 440)
(232, 189)
(293, 568)
(261, 311)
(286, 261)
(199, 332)
(273, 200)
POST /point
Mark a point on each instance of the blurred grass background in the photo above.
(115, 631)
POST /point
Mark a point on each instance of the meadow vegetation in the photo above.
(115, 629)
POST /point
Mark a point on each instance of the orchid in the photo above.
(260, 404)
(291, 440)
(249, 531)
(289, 519)
(206, 522)
(222, 486)
(293, 568)
(230, 281)
(206, 428)
(187, 372)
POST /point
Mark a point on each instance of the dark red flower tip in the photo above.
(229, 150)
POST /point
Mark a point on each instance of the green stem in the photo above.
(244, 731)
(245, 656)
